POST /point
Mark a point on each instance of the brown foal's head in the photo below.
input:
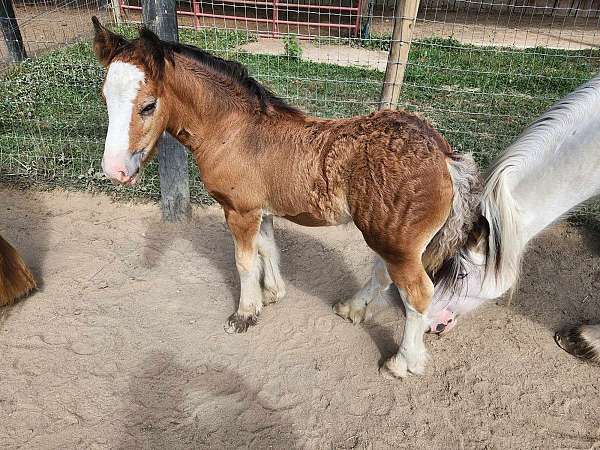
(133, 90)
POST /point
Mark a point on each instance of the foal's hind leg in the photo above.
(416, 290)
(245, 229)
(356, 309)
(273, 287)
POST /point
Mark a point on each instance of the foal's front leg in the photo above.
(245, 228)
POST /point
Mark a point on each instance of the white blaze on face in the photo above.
(121, 87)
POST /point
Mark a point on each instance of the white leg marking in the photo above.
(250, 293)
(356, 308)
(273, 285)
(412, 356)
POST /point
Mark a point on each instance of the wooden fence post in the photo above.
(11, 32)
(405, 15)
(161, 17)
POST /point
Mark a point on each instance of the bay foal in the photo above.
(390, 173)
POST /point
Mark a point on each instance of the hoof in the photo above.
(574, 341)
(239, 324)
(394, 368)
(354, 315)
(400, 365)
(272, 295)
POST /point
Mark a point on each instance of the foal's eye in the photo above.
(148, 109)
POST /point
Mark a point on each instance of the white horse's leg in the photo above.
(273, 287)
(356, 309)
(245, 229)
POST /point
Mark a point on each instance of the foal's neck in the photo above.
(209, 112)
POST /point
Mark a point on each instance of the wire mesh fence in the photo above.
(479, 71)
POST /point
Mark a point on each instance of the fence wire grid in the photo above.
(479, 71)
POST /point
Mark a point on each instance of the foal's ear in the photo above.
(106, 43)
(153, 54)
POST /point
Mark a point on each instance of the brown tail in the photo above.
(16, 280)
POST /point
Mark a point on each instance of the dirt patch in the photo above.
(123, 347)
(503, 30)
(486, 30)
(46, 28)
(341, 55)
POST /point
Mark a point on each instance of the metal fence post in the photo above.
(405, 15)
(115, 5)
(161, 17)
(11, 32)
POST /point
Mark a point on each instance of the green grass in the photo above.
(208, 39)
(53, 120)
(375, 41)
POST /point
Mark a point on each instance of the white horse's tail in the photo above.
(582, 341)
(505, 246)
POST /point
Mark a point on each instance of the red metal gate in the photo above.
(273, 8)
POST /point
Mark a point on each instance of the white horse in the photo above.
(553, 166)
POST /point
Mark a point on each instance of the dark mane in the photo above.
(234, 71)
(237, 72)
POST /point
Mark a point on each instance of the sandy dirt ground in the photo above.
(504, 30)
(44, 28)
(123, 346)
(342, 55)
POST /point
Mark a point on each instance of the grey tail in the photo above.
(447, 253)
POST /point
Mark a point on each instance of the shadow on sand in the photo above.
(308, 263)
(176, 407)
(560, 282)
(558, 285)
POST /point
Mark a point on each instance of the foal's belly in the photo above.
(313, 210)
(310, 220)
(313, 217)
